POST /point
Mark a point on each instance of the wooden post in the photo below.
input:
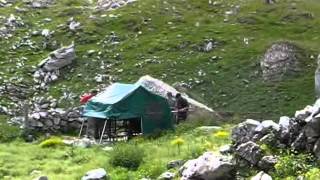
(104, 128)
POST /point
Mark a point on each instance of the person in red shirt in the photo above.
(86, 97)
(94, 125)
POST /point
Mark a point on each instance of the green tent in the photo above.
(129, 101)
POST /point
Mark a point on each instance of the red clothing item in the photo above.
(85, 98)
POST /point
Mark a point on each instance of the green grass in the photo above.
(170, 35)
(19, 159)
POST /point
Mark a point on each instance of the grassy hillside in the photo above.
(165, 36)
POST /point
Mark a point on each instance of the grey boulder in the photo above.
(244, 131)
(249, 151)
(59, 58)
(96, 174)
(280, 59)
(208, 167)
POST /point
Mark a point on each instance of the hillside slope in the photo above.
(165, 39)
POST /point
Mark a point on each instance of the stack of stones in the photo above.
(44, 116)
(300, 133)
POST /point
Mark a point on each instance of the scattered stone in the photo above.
(107, 148)
(112, 4)
(82, 143)
(43, 178)
(96, 174)
(74, 25)
(262, 176)
(175, 164)
(166, 176)
(208, 167)
(208, 129)
(39, 3)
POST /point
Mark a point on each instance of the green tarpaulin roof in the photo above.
(127, 101)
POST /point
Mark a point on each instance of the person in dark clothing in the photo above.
(95, 127)
(182, 107)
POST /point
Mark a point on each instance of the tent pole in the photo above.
(81, 128)
(104, 128)
(141, 125)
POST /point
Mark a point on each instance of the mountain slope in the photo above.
(166, 39)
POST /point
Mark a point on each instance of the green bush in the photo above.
(51, 142)
(8, 132)
(313, 174)
(292, 164)
(127, 156)
(151, 170)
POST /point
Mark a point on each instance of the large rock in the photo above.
(267, 125)
(281, 59)
(59, 58)
(249, 151)
(312, 129)
(96, 174)
(316, 149)
(262, 176)
(208, 167)
(244, 131)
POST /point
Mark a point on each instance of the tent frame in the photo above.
(107, 125)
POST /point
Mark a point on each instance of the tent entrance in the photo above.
(121, 129)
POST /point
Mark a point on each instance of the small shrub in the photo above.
(127, 156)
(8, 132)
(52, 142)
(292, 164)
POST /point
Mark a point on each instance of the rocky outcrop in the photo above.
(301, 133)
(208, 167)
(281, 59)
